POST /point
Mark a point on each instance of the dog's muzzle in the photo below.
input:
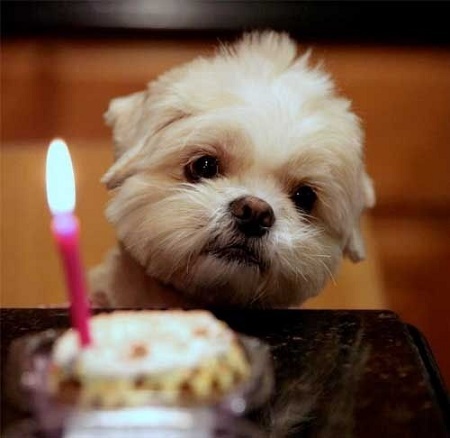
(253, 216)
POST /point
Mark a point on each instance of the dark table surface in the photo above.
(337, 373)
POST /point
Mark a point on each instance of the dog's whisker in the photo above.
(259, 293)
(330, 274)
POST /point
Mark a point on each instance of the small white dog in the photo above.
(239, 180)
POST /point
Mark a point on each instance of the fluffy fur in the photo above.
(274, 123)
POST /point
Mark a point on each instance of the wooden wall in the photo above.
(62, 87)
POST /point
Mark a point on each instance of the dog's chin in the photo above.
(237, 254)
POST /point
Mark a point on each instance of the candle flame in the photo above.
(60, 179)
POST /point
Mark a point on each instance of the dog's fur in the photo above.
(274, 123)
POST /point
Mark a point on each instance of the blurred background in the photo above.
(63, 61)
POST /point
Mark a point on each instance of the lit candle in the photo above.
(65, 229)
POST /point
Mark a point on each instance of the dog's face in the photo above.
(239, 179)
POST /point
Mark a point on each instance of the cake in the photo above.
(141, 357)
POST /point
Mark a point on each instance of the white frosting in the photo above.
(132, 343)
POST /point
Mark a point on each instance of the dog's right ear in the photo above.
(123, 116)
(134, 119)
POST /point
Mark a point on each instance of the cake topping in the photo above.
(138, 350)
(131, 343)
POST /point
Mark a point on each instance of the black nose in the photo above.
(253, 216)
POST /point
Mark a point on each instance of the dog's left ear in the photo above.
(354, 249)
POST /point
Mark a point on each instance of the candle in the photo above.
(60, 183)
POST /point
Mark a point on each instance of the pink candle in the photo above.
(65, 229)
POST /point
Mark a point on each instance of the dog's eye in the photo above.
(304, 198)
(206, 166)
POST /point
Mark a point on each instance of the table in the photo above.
(337, 373)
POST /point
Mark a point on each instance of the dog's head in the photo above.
(239, 179)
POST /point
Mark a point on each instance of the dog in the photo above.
(239, 180)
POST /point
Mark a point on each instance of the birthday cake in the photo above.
(139, 357)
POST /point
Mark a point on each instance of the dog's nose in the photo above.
(253, 215)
